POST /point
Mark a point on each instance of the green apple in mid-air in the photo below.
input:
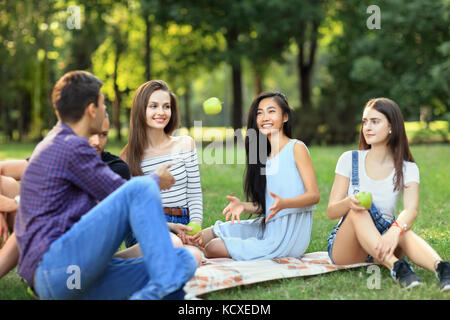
(212, 106)
(365, 199)
(195, 228)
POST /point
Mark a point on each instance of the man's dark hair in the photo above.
(73, 92)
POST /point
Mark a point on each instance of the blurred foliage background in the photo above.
(321, 54)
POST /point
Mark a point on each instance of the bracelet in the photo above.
(395, 224)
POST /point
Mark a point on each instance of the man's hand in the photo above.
(166, 179)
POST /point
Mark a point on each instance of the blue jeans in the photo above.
(184, 219)
(85, 252)
(130, 239)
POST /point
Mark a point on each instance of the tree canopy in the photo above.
(322, 54)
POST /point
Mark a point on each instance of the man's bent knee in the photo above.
(142, 183)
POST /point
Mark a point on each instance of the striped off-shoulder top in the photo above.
(186, 191)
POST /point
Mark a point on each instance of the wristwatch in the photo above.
(17, 198)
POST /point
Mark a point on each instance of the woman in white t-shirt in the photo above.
(383, 166)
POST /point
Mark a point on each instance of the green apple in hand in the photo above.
(212, 106)
(195, 228)
(365, 199)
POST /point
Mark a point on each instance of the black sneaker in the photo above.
(404, 274)
(443, 275)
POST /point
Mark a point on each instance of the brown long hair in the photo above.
(397, 142)
(137, 140)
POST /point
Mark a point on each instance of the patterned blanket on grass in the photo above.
(223, 273)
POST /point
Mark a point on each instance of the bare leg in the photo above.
(135, 251)
(9, 252)
(357, 237)
(9, 188)
(216, 249)
(9, 255)
(207, 236)
(195, 252)
(418, 250)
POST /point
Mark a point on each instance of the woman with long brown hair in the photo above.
(154, 118)
(383, 166)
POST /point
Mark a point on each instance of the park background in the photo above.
(327, 57)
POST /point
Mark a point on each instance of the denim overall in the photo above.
(381, 224)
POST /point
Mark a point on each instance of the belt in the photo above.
(178, 212)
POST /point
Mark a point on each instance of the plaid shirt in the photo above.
(64, 179)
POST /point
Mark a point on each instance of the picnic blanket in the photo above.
(222, 273)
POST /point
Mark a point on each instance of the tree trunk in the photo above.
(6, 122)
(237, 96)
(305, 65)
(236, 70)
(306, 117)
(20, 121)
(258, 82)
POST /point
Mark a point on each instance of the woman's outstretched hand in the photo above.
(277, 206)
(233, 209)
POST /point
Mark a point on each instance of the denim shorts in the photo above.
(381, 224)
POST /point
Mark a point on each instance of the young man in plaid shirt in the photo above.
(66, 240)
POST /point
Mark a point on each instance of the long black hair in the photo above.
(257, 148)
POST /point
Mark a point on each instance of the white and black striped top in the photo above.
(186, 191)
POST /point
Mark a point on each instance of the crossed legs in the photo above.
(135, 250)
(357, 237)
(214, 246)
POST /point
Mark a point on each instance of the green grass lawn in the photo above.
(219, 180)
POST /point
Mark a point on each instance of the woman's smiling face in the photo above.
(269, 116)
(158, 110)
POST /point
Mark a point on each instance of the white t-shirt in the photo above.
(383, 195)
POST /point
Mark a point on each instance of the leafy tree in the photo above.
(232, 19)
(92, 32)
(404, 60)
